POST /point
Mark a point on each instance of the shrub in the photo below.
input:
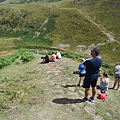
(7, 60)
(27, 56)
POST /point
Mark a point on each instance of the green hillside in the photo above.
(68, 22)
(104, 12)
(28, 1)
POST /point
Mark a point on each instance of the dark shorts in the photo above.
(90, 81)
(117, 75)
(81, 75)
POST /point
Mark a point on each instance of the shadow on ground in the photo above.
(66, 86)
(67, 101)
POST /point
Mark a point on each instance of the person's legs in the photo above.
(93, 92)
(115, 82)
(82, 79)
(118, 80)
(87, 92)
(87, 87)
(79, 82)
(93, 84)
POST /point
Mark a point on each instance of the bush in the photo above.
(7, 60)
(27, 56)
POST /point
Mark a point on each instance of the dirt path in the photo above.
(101, 28)
(58, 96)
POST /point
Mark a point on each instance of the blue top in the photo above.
(81, 67)
(93, 65)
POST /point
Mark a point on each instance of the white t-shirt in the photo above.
(118, 68)
(58, 55)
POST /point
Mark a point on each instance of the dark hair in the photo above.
(96, 50)
(105, 74)
(42, 57)
(102, 91)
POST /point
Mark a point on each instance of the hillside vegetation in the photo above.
(71, 23)
(28, 1)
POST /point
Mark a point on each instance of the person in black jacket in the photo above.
(45, 59)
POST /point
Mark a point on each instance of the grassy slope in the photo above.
(55, 97)
(23, 21)
(28, 1)
(73, 28)
(69, 26)
(105, 13)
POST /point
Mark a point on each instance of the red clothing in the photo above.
(102, 96)
(53, 57)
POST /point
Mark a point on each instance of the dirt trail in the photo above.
(58, 96)
(101, 28)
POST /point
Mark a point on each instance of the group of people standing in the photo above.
(52, 58)
(89, 70)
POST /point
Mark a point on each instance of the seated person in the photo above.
(104, 82)
(53, 57)
(45, 59)
(102, 95)
(58, 55)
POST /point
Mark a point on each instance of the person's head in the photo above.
(95, 52)
(102, 91)
(53, 53)
(105, 74)
(82, 60)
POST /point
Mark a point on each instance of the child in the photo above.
(82, 72)
(102, 95)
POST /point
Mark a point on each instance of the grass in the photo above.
(28, 1)
(50, 89)
(78, 29)
(40, 91)
(103, 12)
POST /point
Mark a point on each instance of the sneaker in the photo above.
(85, 99)
(91, 99)
(78, 84)
(83, 85)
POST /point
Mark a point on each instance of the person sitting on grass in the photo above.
(102, 95)
(45, 59)
(53, 57)
(104, 82)
(58, 55)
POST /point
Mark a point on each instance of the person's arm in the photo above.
(86, 62)
(79, 69)
(108, 81)
(101, 80)
(116, 69)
